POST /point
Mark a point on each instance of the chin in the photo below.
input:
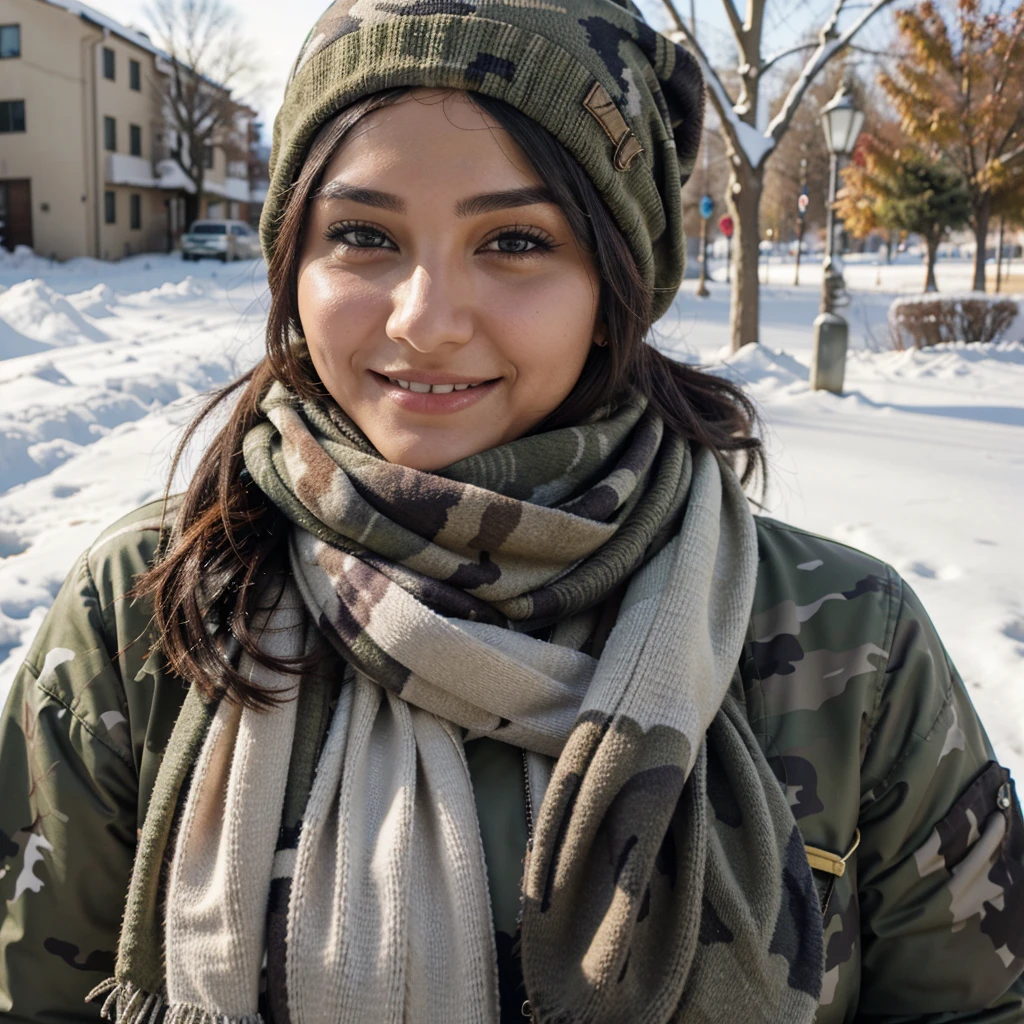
(429, 458)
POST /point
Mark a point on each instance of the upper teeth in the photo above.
(436, 389)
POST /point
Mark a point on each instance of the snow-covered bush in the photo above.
(924, 320)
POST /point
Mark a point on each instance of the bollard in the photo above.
(828, 358)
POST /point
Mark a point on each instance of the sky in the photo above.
(277, 30)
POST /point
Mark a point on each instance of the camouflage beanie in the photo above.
(625, 101)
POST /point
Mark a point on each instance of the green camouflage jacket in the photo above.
(851, 695)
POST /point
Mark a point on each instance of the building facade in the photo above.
(85, 150)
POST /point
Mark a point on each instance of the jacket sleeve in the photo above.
(68, 807)
(941, 858)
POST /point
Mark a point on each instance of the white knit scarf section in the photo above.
(389, 919)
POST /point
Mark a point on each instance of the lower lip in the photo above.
(428, 402)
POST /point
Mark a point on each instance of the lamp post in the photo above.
(842, 122)
(803, 201)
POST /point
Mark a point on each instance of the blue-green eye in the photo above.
(519, 242)
(359, 236)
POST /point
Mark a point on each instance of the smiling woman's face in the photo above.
(446, 305)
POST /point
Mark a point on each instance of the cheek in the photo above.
(546, 333)
(337, 312)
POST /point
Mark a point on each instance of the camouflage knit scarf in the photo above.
(666, 878)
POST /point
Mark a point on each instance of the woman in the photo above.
(461, 685)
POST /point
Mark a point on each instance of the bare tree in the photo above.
(209, 57)
(786, 174)
(749, 148)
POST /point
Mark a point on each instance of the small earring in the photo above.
(602, 343)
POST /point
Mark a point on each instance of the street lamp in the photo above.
(842, 122)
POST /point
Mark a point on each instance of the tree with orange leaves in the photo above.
(896, 187)
(959, 91)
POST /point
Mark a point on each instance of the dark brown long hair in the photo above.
(227, 545)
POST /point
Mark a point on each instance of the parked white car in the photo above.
(222, 239)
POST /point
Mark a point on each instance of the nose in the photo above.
(431, 309)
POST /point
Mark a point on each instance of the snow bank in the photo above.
(35, 311)
(25, 261)
(182, 291)
(94, 302)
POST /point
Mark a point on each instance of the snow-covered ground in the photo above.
(920, 462)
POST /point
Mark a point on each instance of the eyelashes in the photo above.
(540, 240)
(518, 241)
(363, 235)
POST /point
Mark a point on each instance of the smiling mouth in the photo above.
(423, 388)
(433, 389)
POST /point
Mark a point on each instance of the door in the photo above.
(15, 213)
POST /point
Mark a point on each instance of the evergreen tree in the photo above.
(903, 190)
(959, 91)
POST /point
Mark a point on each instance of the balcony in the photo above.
(174, 178)
(135, 171)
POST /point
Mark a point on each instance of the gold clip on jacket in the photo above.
(832, 863)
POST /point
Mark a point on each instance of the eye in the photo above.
(519, 241)
(359, 236)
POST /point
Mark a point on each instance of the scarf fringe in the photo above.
(126, 1003)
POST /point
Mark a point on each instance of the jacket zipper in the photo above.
(525, 1009)
(529, 802)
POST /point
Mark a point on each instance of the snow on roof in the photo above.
(90, 14)
(132, 35)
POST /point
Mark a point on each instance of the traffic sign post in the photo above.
(707, 208)
(801, 214)
(727, 226)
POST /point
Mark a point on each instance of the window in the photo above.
(208, 157)
(110, 134)
(10, 41)
(12, 115)
(108, 63)
(135, 75)
(110, 207)
(134, 210)
(135, 140)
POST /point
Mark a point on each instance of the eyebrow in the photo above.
(366, 196)
(490, 202)
(485, 202)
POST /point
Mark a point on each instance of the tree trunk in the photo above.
(191, 209)
(999, 255)
(744, 204)
(932, 251)
(981, 219)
